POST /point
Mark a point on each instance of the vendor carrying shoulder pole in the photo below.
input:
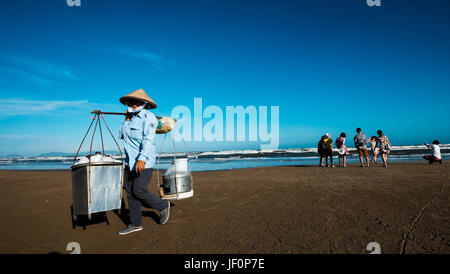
(138, 134)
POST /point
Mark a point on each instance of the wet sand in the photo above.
(292, 209)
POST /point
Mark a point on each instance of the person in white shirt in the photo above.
(435, 152)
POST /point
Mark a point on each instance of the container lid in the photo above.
(177, 175)
(96, 160)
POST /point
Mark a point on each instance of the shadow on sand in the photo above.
(84, 220)
(101, 217)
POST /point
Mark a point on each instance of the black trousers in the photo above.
(138, 194)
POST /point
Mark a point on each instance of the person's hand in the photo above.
(161, 192)
(128, 116)
(140, 165)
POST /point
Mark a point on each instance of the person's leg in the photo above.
(326, 160)
(384, 157)
(366, 155)
(144, 195)
(360, 157)
(340, 160)
(134, 205)
(345, 160)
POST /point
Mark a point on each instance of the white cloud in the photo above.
(27, 76)
(154, 61)
(12, 107)
(36, 70)
(7, 137)
(16, 106)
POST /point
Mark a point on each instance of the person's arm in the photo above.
(121, 132)
(387, 140)
(147, 143)
(124, 124)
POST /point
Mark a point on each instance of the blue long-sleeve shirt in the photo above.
(138, 136)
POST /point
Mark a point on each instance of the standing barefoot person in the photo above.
(360, 140)
(342, 149)
(375, 149)
(435, 153)
(328, 149)
(385, 146)
(320, 146)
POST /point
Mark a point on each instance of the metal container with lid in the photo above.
(177, 180)
(176, 183)
(97, 183)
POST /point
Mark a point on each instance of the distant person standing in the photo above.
(375, 149)
(360, 141)
(342, 149)
(435, 153)
(328, 149)
(320, 147)
(385, 146)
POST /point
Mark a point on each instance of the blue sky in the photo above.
(330, 66)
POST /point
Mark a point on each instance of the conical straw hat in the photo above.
(139, 95)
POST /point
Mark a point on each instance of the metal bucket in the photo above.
(178, 186)
(97, 187)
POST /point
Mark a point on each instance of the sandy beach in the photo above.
(291, 209)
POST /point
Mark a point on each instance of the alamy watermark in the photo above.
(77, 3)
(373, 248)
(373, 3)
(74, 247)
(73, 3)
(228, 127)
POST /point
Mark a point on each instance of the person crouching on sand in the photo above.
(138, 134)
(435, 153)
(360, 141)
(328, 149)
(375, 149)
(385, 146)
(320, 150)
(342, 149)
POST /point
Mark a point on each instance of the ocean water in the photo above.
(231, 159)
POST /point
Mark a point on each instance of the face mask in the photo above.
(132, 110)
